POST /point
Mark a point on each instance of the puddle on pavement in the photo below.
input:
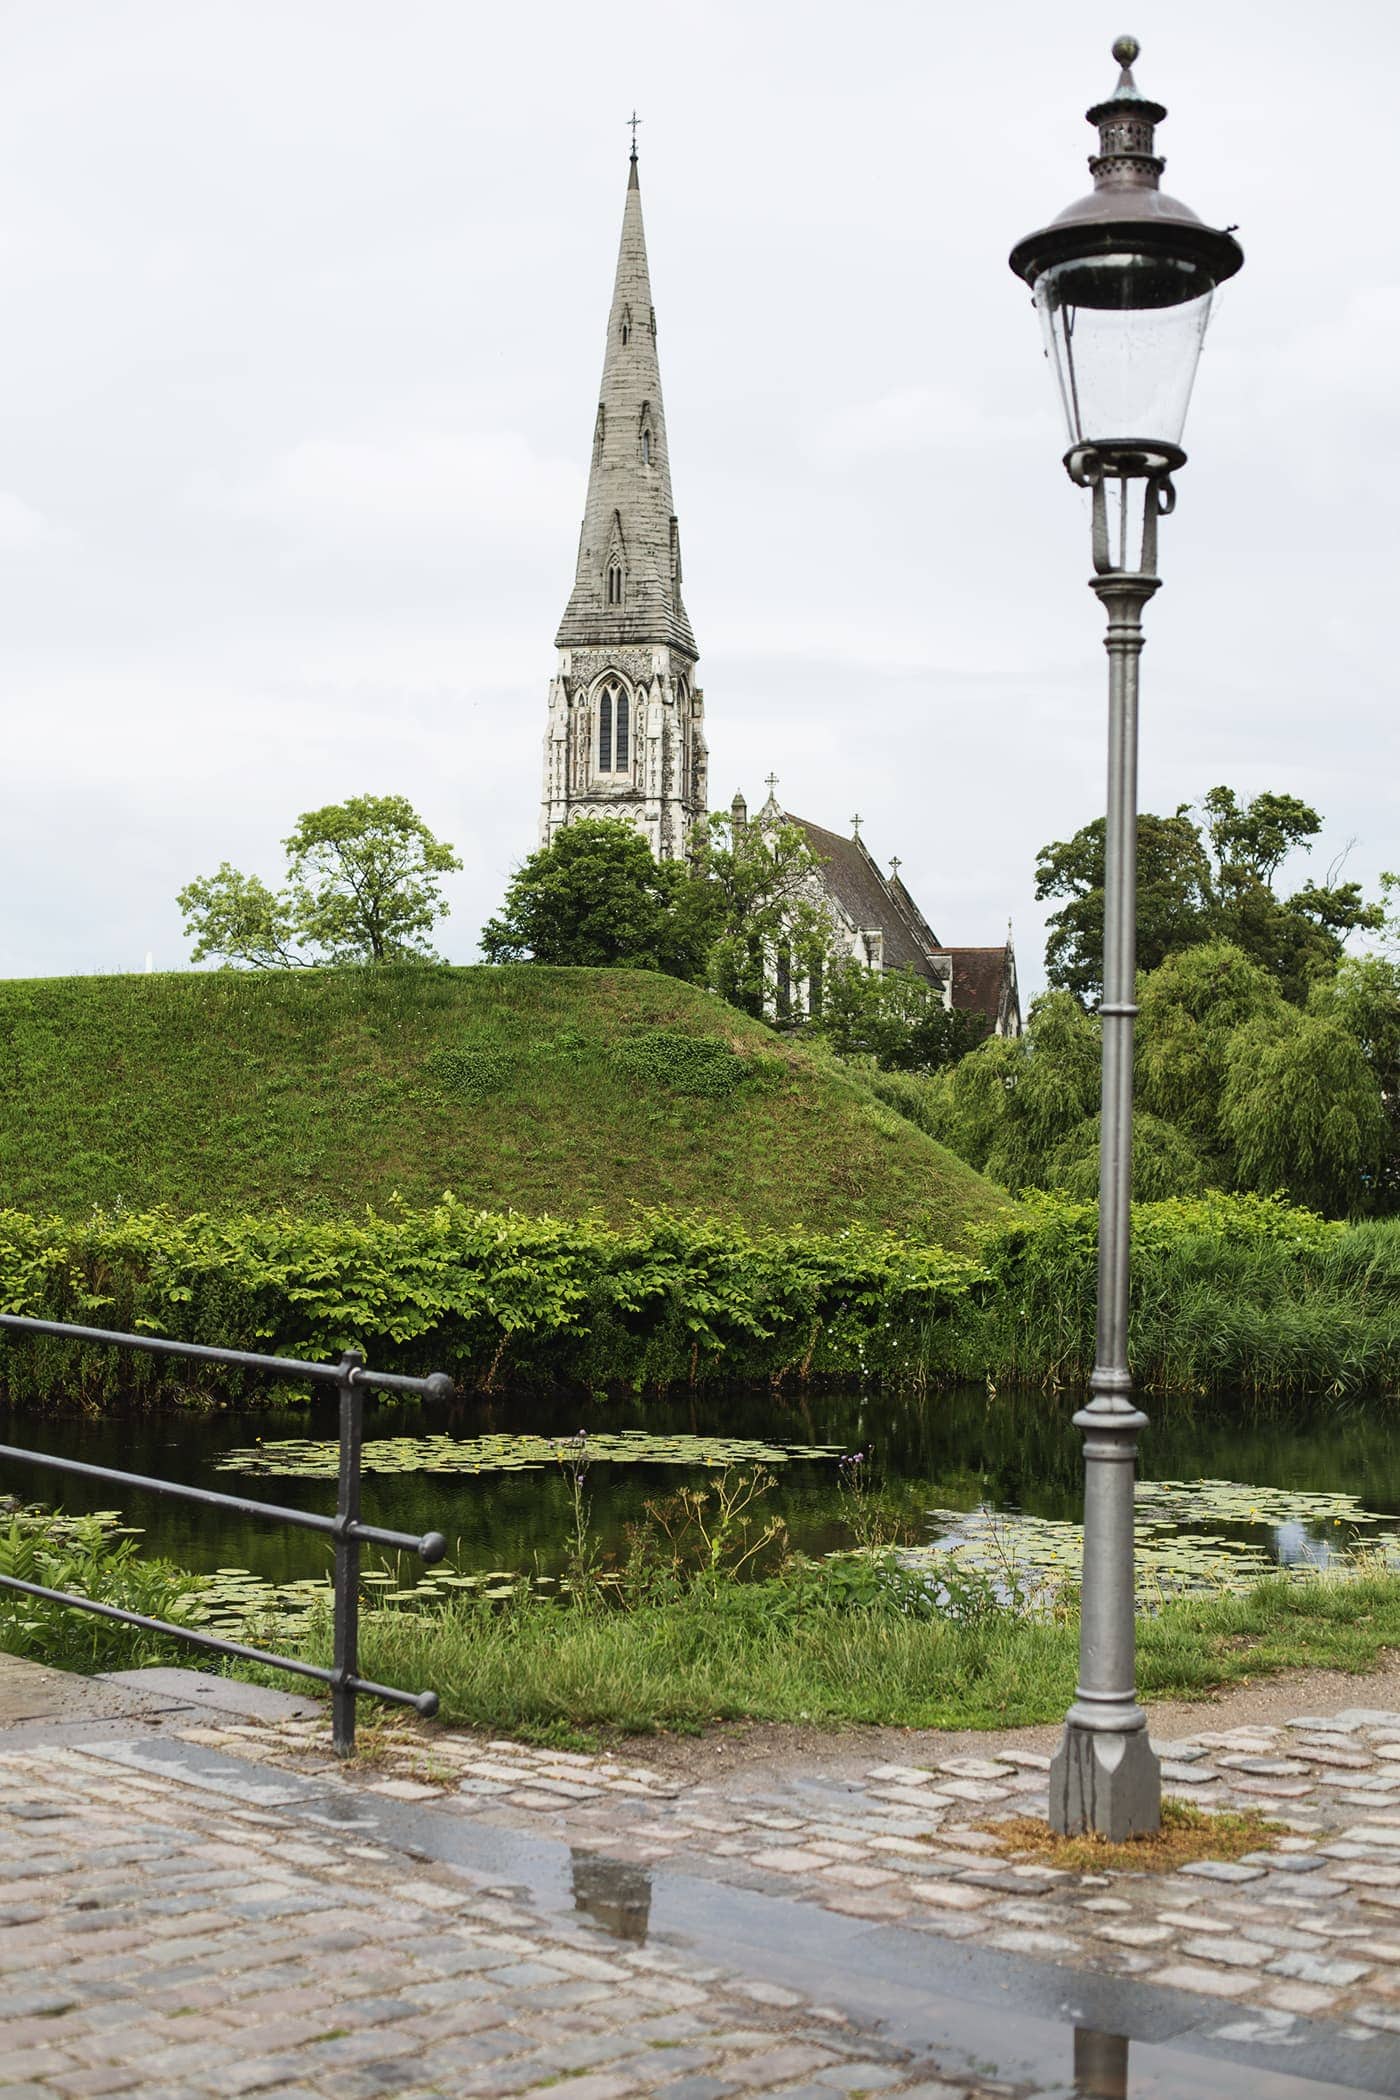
(612, 1893)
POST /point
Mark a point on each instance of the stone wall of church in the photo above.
(659, 779)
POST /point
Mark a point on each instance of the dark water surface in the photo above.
(959, 1451)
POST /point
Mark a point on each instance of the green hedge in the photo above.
(491, 1297)
(1229, 1294)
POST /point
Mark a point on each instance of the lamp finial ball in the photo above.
(1126, 49)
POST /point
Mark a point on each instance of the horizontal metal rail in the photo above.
(425, 1703)
(437, 1386)
(351, 1378)
(430, 1546)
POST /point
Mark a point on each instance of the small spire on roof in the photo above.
(634, 120)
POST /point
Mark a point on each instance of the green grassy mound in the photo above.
(564, 1091)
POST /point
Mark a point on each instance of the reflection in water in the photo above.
(615, 1895)
(1100, 2065)
(1296, 1547)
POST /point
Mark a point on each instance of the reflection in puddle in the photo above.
(615, 1895)
(1100, 2065)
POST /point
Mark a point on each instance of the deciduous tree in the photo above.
(1203, 881)
(597, 898)
(363, 886)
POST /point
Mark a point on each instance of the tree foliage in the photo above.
(894, 1017)
(1202, 881)
(764, 901)
(597, 898)
(1235, 1088)
(363, 886)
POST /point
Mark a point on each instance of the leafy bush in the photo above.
(85, 1556)
(1230, 1293)
(469, 1072)
(488, 1296)
(688, 1064)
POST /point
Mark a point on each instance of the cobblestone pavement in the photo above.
(155, 1944)
(256, 1919)
(1309, 1926)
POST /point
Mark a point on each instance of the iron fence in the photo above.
(352, 1378)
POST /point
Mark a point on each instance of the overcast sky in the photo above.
(302, 307)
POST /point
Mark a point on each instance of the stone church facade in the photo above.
(626, 727)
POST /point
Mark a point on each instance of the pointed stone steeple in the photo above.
(629, 525)
(626, 721)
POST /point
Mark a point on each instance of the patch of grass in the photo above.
(1187, 1833)
(539, 1090)
(782, 1650)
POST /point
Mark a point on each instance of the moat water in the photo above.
(964, 1451)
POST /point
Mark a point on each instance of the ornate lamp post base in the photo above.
(1105, 1781)
(1105, 1776)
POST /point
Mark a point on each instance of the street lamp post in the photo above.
(1123, 282)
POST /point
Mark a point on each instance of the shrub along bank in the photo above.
(1230, 1294)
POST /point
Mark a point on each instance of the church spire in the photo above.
(627, 588)
(626, 730)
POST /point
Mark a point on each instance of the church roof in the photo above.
(980, 980)
(629, 517)
(870, 900)
(983, 979)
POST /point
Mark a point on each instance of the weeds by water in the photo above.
(87, 1557)
(669, 1639)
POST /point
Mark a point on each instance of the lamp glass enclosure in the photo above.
(1124, 334)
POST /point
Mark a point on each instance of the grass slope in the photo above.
(331, 1090)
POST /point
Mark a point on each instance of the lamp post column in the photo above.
(1123, 281)
(1105, 1775)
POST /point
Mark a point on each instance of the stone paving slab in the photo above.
(225, 1695)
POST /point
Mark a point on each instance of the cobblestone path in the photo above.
(202, 1905)
(1308, 1926)
(157, 1944)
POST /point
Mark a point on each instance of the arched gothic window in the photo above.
(614, 729)
(614, 583)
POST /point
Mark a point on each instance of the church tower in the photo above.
(626, 719)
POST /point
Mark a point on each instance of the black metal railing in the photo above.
(352, 1378)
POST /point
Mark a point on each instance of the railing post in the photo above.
(346, 1656)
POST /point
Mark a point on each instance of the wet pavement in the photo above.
(201, 1902)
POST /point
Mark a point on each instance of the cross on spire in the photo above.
(771, 782)
(856, 822)
(634, 120)
(895, 865)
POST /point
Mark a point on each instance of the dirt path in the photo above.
(1273, 1699)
